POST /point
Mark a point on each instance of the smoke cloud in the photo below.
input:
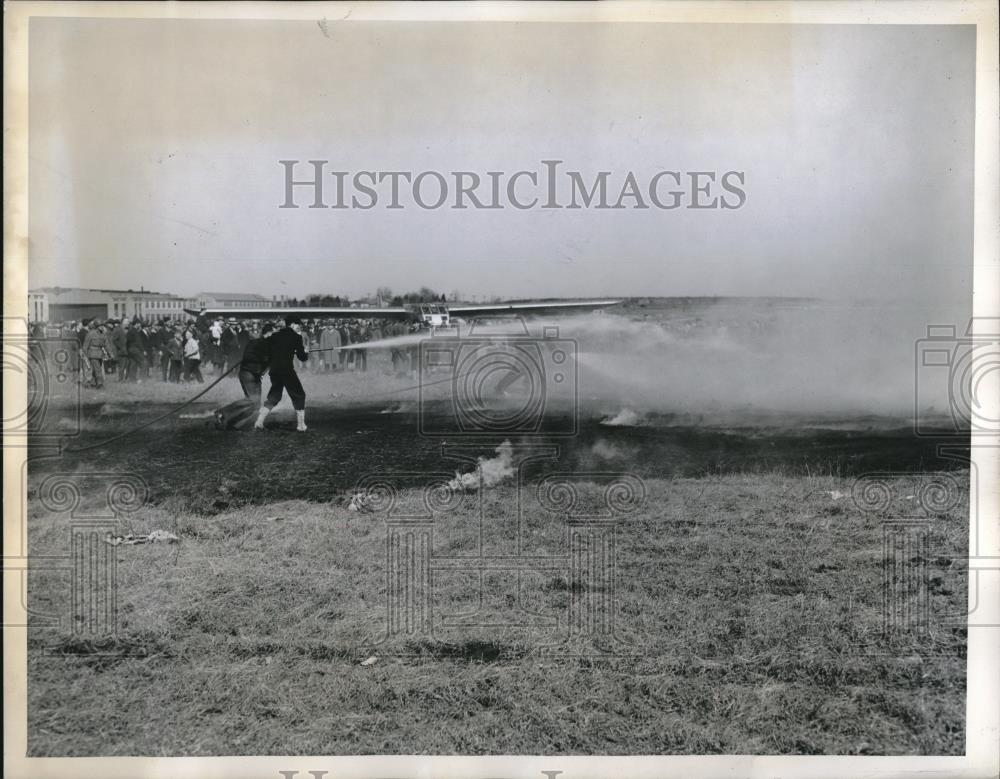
(488, 473)
(750, 357)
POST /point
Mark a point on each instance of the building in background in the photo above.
(64, 304)
(38, 306)
(231, 300)
(149, 306)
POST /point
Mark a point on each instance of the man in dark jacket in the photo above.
(282, 347)
(254, 363)
(342, 355)
(136, 343)
(242, 337)
(118, 340)
(162, 337)
(174, 350)
(230, 345)
(152, 348)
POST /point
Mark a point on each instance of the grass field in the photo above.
(744, 611)
(749, 611)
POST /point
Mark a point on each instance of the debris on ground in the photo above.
(152, 538)
(162, 535)
(370, 661)
(362, 502)
(836, 494)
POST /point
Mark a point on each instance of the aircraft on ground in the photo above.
(432, 315)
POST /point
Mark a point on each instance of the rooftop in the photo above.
(232, 296)
(63, 290)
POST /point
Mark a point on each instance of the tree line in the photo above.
(384, 295)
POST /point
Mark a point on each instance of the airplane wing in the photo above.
(494, 309)
(304, 312)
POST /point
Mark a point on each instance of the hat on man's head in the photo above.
(293, 319)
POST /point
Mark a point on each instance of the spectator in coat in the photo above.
(121, 349)
(152, 348)
(345, 340)
(135, 344)
(361, 355)
(242, 337)
(192, 359)
(230, 347)
(161, 336)
(175, 353)
(110, 364)
(329, 345)
(95, 347)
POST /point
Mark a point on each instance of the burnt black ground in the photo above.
(187, 458)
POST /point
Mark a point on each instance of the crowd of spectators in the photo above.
(136, 350)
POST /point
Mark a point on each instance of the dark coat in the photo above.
(175, 349)
(284, 345)
(118, 339)
(137, 343)
(256, 356)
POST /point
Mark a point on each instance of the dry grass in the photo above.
(749, 610)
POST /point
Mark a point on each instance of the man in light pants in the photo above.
(282, 347)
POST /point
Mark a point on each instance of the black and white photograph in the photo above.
(570, 384)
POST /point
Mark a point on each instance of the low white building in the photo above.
(64, 304)
(149, 306)
(231, 300)
(38, 306)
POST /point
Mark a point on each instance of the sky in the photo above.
(154, 149)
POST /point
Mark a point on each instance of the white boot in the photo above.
(261, 416)
(301, 416)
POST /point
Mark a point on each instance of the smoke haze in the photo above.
(750, 357)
